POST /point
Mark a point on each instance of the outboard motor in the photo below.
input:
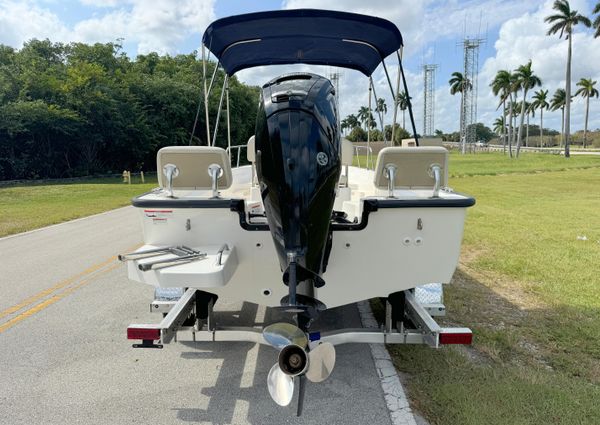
(298, 167)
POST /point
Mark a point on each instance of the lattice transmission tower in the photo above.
(471, 70)
(429, 99)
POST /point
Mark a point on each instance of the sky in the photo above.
(514, 32)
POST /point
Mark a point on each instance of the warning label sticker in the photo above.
(158, 216)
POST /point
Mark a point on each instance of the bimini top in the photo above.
(316, 37)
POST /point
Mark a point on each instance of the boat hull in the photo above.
(400, 248)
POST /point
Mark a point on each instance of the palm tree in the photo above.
(587, 90)
(403, 101)
(559, 101)
(503, 85)
(381, 109)
(460, 84)
(363, 116)
(564, 21)
(540, 102)
(530, 110)
(526, 79)
(353, 121)
(381, 106)
(597, 20)
(499, 126)
(344, 125)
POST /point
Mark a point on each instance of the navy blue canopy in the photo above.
(317, 37)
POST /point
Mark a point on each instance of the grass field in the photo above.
(30, 206)
(530, 290)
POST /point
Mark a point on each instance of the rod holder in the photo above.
(390, 174)
(435, 171)
(215, 171)
(171, 172)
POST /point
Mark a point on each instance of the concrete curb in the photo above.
(395, 398)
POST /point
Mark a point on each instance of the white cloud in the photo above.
(160, 26)
(22, 20)
(524, 38)
(422, 23)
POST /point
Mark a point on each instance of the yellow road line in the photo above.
(60, 285)
(55, 288)
(57, 297)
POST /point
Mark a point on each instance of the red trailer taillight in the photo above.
(151, 334)
(465, 338)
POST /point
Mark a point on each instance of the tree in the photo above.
(587, 90)
(381, 106)
(399, 134)
(352, 121)
(483, 132)
(363, 116)
(530, 111)
(381, 109)
(564, 21)
(344, 125)
(559, 101)
(460, 84)
(357, 134)
(526, 80)
(499, 126)
(540, 102)
(77, 109)
(503, 85)
(403, 102)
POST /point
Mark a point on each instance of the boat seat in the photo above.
(192, 163)
(412, 166)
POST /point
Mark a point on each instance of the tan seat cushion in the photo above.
(412, 166)
(193, 163)
(251, 150)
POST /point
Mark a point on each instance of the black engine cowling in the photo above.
(298, 166)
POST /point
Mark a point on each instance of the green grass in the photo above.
(30, 206)
(495, 163)
(530, 290)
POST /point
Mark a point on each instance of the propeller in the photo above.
(296, 359)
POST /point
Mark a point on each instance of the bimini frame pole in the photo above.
(214, 140)
(396, 97)
(369, 126)
(204, 59)
(196, 118)
(228, 119)
(410, 112)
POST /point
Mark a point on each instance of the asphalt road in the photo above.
(65, 303)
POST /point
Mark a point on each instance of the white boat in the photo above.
(300, 228)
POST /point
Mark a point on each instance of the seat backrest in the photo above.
(412, 166)
(192, 163)
(347, 152)
(251, 150)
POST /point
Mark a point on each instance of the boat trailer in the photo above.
(407, 321)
